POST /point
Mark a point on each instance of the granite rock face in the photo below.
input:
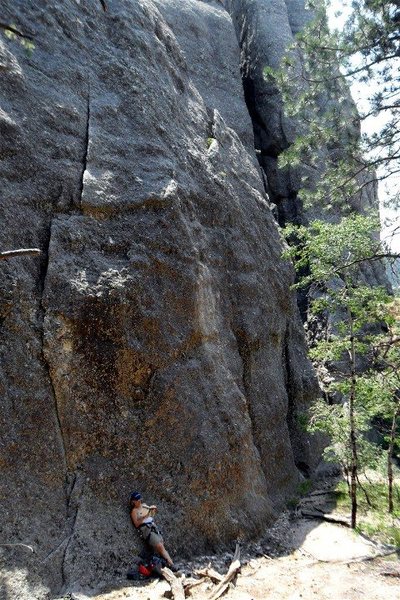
(265, 30)
(156, 343)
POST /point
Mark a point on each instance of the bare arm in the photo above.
(151, 510)
(138, 521)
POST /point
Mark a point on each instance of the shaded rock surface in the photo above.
(155, 344)
(265, 30)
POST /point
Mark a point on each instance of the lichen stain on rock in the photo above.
(95, 338)
(133, 377)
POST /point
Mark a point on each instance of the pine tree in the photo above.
(354, 313)
(315, 78)
(340, 169)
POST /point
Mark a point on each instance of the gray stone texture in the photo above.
(265, 31)
(156, 343)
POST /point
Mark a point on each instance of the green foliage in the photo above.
(12, 33)
(329, 249)
(314, 79)
(373, 519)
(292, 503)
(329, 258)
(209, 141)
(334, 421)
(359, 350)
(302, 421)
(304, 487)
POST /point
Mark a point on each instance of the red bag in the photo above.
(146, 571)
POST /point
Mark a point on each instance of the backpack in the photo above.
(145, 568)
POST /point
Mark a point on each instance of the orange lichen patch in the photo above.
(98, 212)
(224, 479)
(164, 268)
(276, 339)
(172, 416)
(210, 515)
(210, 526)
(223, 476)
(169, 414)
(153, 337)
(131, 371)
(106, 211)
(52, 478)
(151, 326)
(195, 340)
(82, 444)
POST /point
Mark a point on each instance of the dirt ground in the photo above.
(299, 559)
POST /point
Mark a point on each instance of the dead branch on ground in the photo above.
(178, 593)
(211, 573)
(190, 583)
(232, 571)
(355, 560)
(323, 517)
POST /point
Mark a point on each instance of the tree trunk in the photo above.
(353, 440)
(390, 455)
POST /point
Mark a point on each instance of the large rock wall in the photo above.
(156, 343)
(265, 30)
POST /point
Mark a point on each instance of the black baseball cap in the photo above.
(135, 496)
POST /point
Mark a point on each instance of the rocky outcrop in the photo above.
(156, 344)
(264, 32)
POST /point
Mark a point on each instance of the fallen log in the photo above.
(211, 573)
(175, 582)
(232, 571)
(188, 584)
(324, 517)
(348, 561)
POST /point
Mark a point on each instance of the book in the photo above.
(151, 510)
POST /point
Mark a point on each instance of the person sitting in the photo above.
(142, 519)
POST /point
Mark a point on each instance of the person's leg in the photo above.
(156, 542)
(160, 549)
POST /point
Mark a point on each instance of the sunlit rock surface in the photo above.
(156, 343)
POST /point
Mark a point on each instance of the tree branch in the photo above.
(20, 252)
(367, 259)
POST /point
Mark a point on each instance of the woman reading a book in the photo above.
(142, 518)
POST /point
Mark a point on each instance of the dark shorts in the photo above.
(150, 535)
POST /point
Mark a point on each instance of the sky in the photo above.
(360, 94)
